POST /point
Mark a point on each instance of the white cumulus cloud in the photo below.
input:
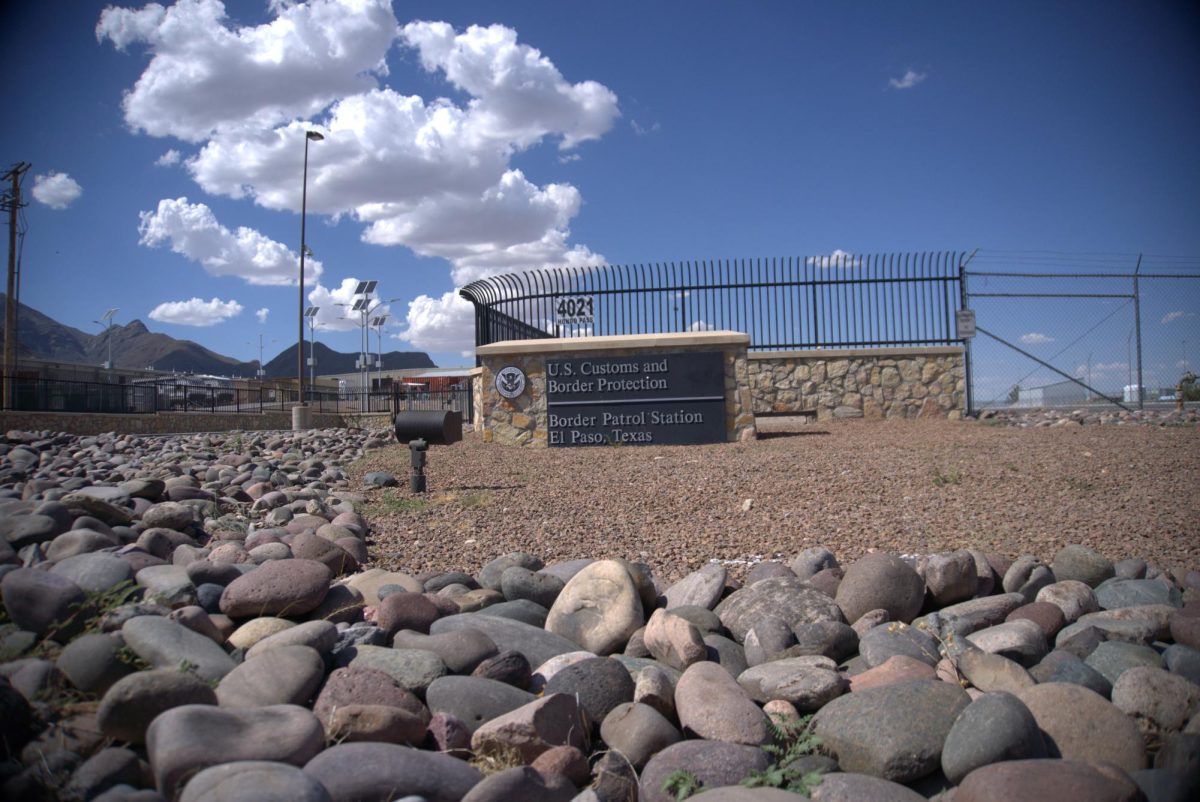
(261, 314)
(433, 175)
(206, 76)
(169, 159)
(56, 190)
(334, 306)
(1171, 317)
(192, 230)
(445, 324)
(838, 258)
(519, 95)
(1035, 338)
(910, 79)
(195, 312)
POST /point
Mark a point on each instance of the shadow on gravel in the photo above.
(773, 435)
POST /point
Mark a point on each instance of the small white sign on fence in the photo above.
(964, 321)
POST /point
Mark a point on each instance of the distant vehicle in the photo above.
(1167, 397)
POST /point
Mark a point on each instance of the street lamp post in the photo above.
(106, 321)
(301, 416)
(377, 324)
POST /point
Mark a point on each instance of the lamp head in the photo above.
(315, 136)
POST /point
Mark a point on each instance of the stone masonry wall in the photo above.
(523, 420)
(875, 383)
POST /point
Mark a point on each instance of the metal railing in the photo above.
(839, 301)
(58, 395)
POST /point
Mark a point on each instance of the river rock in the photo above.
(166, 644)
(461, 650)
(414, 669)
(807, 682)
(94, 573)
(518, 582)
(889, 640)
(993, 672)
(285, 675)
(319, 635)
(700, 588)
(881, 581)
(251, 781)
(1029, 780)
(552, 720)
(949, 577)
(1114, 658)
(597, 684)
(895, 732)
(133, 702)
(288, 588)
(1020, 640)
(712, 705)
(674, 640)
(92, 663)
(1160, 702)
(378, 771)
(782, 596)
(536, 644)
(1082, 564)
(1114, 593)
(472, 700)
(713, 763)
(598, 609)
(638, 732)
(1079, 724)
(357, 687)
(522, 782)
(994, 727)
(38, 601)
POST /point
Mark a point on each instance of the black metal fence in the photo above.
(837, 301)
(57, 395)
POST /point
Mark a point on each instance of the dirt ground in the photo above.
(905, 486)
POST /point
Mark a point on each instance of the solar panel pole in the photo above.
(300, 416)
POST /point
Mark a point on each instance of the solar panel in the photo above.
(378, 321)
(360, 304)
(366, 287)
(311, 311)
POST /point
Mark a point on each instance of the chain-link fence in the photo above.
(1057, 330)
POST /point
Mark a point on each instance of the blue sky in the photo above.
(169, 143)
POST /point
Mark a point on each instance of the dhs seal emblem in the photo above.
(510, 382)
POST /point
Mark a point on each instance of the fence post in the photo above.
(1137, 324)
(968, 378)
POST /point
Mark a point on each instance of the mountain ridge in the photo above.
(134, 346)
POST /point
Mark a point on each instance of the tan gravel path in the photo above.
(906, 486)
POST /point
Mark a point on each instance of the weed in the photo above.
(496, 757)
(681, 784)
(950, 477)
(793, 740)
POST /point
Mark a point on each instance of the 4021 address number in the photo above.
(578, 309)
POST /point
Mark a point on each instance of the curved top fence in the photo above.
(838, 301)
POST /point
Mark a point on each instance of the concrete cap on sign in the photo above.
(621, 341)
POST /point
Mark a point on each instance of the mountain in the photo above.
(329, 361)
(134, 346)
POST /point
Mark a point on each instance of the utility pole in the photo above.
(12, 202)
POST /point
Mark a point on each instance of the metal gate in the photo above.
(1058, 330)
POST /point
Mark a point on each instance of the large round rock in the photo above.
(894, 731)
(132, 703)
(288, 588)
(713, 763)
(1026, 780)
(253, 781)
(38, 600)
(383, 772)
(994, 727)
(881, 582)
(784, 597)
(184, 740)
(1080, 724)
(599, 684)
(598, 609)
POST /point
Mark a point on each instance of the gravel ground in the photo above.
(906, 486)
